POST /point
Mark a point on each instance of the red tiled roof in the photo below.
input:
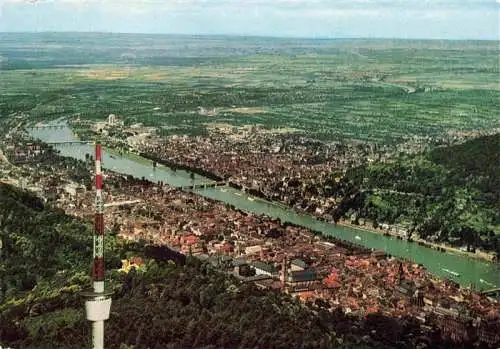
(137, 261)
(306, 294)
(190, 239)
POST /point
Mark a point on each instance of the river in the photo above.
(482, 274)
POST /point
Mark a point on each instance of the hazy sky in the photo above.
(443, 19)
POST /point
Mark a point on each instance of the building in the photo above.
(262, 268)
(20, 155)
(191, 244)
(72, 189)
(301, 280)
(456, 328)
(298, 265)
(268, 284)
(134, 262)
(379, 254)
(237, 262)
(224, 248)
(406, 288)
(253, 249)
(221, 261)
(332, 280)
(111, 119)
(489, 331)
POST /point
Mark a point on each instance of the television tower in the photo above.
(98, 303)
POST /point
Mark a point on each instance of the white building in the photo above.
(73, 188)
(111, 119)
(253, 249)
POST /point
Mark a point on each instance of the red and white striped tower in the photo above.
(98, 266)
(98, 305)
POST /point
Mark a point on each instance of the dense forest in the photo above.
(188, 304)
(449, 194)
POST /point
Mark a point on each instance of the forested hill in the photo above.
(450, 194)
(44, 265)
(476, 161)
(37, 242)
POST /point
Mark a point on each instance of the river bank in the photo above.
(479, 255)
(258, 194)
(175, 166)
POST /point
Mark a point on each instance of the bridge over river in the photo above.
(465, 271)
(46, 126)
(203, 185)
(70, 142)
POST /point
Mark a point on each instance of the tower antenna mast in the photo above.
(98, 303)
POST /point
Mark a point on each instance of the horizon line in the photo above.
(345, 37)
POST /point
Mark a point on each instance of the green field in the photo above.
(376, 90)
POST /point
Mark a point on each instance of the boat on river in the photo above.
(454, 273)
(486, 282)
